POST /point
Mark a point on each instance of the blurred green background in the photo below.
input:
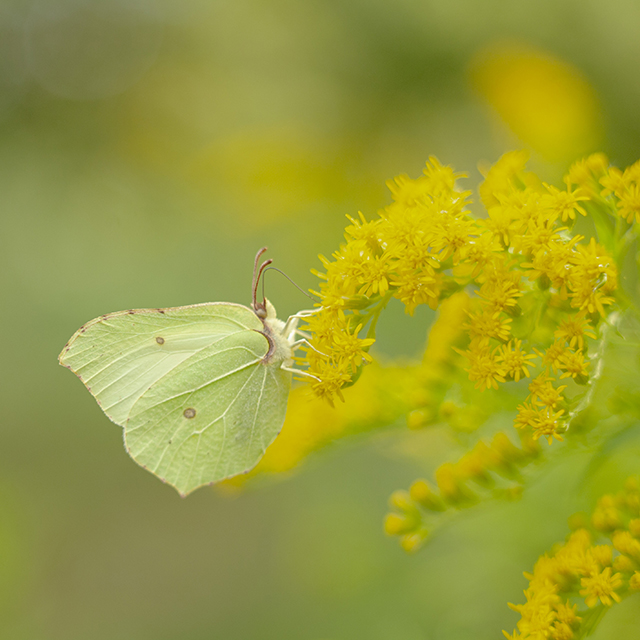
(147, 150)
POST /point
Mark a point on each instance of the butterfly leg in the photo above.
(303, 341)
(300, 372)
(292, 321)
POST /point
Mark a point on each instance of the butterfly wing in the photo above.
(212, 418)
(146, 367)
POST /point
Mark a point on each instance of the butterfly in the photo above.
(200, 391)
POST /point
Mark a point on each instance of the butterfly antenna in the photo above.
(295, 284)
(259, 307)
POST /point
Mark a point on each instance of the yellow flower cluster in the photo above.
(625, 186)
(399, 254)
(540, 291)
(580, 575)
(492, 467)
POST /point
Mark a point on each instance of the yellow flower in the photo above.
(502, 222)
(543, 393)
(349, 349)
(574, 366)
(484, 367)
(629, 205)
(567, 613)
(440, 178)
(373, 276)
(561, 631)
(484, 324)
(552, 357)
(601, 586)
(574, 329)
(396, 524)
(527, 415)
(514, 360)
(329, 379)
(548, 424)
(362, 230)
(624, 542)
(606, 516)
(503, 177)
(587, 172)
(613, 182)
(502, 294)
(415, 287)
(565, 203)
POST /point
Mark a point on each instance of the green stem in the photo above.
(384, 301)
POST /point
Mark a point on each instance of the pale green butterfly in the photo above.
(200, 390)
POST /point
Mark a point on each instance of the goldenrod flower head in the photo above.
(543, 393)
(423, 494)
(566, 203)
(484, 367)
(407, 192)
(625, 543)
(486, 324)
(440, 178)
(515, 361)
(601, 586)
(623, 564)
(586, 173)
(549, 424)
(567, 614)
(606, 517)
(561, 631)
(527, 415)
(552, 357)
(574, 366)
(601, 555)
(629, 205)
(395, 524)
(574, 329)
(504, 177)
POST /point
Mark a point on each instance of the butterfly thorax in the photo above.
(279, 337)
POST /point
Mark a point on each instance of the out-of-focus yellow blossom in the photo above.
(545, 101)
(587, 172)
(601, 586)
(580, 571)
(487, 467)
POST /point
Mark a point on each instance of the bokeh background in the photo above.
(147, 150)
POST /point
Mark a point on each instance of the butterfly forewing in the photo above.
(121, 355)
(212, 417)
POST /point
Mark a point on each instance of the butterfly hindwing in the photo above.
(212, 417)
